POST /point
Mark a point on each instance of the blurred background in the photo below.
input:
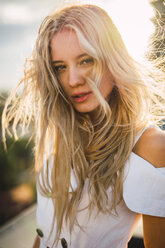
(142, 26)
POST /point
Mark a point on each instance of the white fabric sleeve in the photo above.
(41, 244)
(144, 187)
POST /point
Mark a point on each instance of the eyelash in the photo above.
(61, 68)
(87, 61)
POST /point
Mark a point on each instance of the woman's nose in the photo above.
(75, 77)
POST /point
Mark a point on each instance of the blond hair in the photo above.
(135, 102)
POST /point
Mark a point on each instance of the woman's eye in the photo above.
(60, 68)
(87, 61)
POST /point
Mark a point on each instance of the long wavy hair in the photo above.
(70, 138)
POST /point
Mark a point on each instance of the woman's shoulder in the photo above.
(144, 176)
(151, 146)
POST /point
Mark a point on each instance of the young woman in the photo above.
(100, 155)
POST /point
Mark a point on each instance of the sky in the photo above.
(20, 20)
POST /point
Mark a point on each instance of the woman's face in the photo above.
(72, 66)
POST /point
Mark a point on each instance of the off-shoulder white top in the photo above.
(143, 193)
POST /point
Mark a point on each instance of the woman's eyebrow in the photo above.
(78, 57)
(57, 61)
(82, 55)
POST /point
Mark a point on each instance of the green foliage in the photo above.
(16, 163)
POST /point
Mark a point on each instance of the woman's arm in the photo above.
(36, 242)
(151, 147)
(154, 231)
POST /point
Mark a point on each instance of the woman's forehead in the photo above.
(65, 44)
(64, 34)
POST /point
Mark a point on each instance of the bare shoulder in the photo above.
(151, 147)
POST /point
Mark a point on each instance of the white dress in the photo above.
(143, 193)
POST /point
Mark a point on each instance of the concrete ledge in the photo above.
(20, 231)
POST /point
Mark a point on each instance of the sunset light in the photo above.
(132, 18)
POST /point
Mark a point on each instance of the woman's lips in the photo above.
(81, 97)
